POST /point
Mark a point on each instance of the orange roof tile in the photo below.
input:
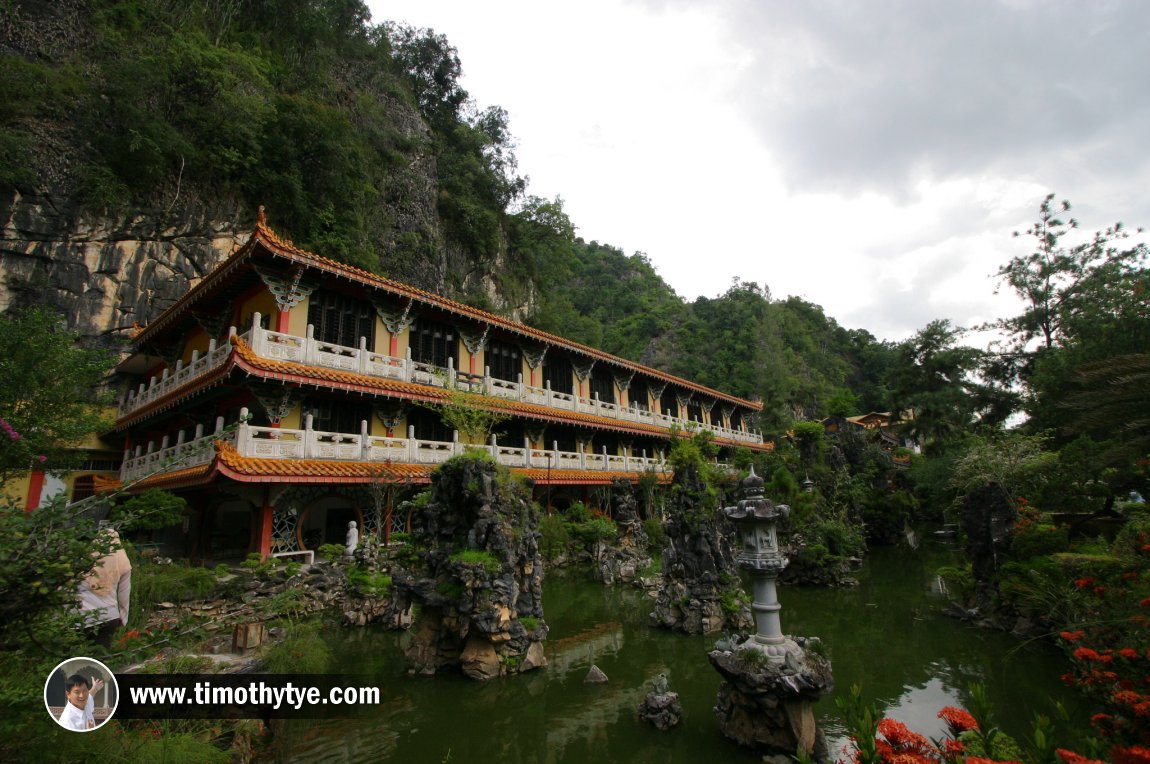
(244, 358)
(230, 464)
(263, 236)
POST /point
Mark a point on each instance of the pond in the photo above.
(884, 635)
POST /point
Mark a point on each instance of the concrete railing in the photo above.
(287, 444)
(309, 351)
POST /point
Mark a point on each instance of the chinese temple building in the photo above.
(287, 394)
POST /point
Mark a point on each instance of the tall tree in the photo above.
(1053, 278)
(49, 398)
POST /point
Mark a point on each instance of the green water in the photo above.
(883, 635)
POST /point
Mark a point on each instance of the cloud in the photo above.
(879, 95)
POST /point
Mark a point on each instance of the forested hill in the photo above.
(137, 138)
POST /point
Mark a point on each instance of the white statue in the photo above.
(352, 537)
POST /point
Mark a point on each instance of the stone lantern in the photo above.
(770, 681)
(756, 518)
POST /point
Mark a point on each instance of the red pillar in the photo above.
(393, 348)
(282, 320)
(35, 488)
(264, 527)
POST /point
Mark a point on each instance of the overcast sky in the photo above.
(871, 157)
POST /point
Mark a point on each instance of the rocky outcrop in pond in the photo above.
(478, 577)
(625, 559)
(700, 592)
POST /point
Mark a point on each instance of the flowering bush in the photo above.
(971, 738)
(1110, 649)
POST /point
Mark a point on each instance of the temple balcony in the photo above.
(307, 444)
(309, 351)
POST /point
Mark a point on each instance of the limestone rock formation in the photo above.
(700, 592)
(769, 705)
(623, 561)
(479, 579)
(661, 708)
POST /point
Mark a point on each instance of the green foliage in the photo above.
(530, 622)
(48, 392)
(332, 552)
(1039, 540)
(150, 510)
(478, 557)
(463, 411)
(553, 536)
(594, 531)
(43, 556)
(368, 583)
(656, 533)
(301, 651)
(733, 600)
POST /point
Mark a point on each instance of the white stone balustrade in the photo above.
(311, 352)
(280, 443)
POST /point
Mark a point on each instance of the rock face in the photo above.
(700, 592)
(661, 707)
(107, 270)
(479, 583)
(769, 706)
(623, 561)
(987, 518)
(108, 273)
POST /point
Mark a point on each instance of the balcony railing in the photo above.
(279, 443)
(312, 352)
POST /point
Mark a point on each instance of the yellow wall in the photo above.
(264, 303)
(197, 341)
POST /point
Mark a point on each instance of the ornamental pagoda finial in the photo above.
(261, 217)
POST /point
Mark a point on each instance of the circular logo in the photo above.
(81, 694)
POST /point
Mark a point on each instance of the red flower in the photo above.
(1136, 754)
(1087, 654)
(1072, 636)
(902, 739)
(1070, 757)
(958, 719)
(1082, 583)
(1128, 652)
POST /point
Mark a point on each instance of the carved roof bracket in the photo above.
(623, 379)
(390, 413)
(289, 291)
(277, 402)
(395, 320)
(473, 340)
(583, 369)
(534, 355)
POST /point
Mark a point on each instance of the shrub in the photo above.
(480, 557)
(332, 552)
(653, 526)
(553, 536)
(301, 651)
(369, 583)
(1039, 540)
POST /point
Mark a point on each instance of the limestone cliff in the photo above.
(110, 249)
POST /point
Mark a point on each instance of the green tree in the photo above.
(50, 400)
(935, 383)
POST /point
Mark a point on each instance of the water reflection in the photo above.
(883, 635)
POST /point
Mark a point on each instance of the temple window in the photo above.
(503, 360)
(433, 343)
(557, 370)
(340, 319)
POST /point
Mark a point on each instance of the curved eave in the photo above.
(173, 398)
(300, 374)
(264, 237)
(243, 359)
